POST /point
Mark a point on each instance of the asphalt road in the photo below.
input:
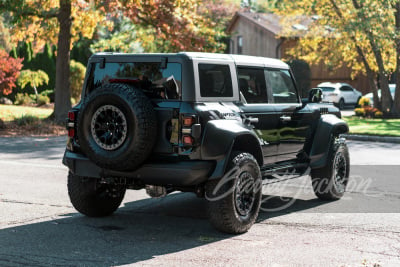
(39, 227)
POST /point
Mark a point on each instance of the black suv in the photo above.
(212, 124)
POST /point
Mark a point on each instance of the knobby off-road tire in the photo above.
(234, 201)
(91, 198)
(329, 182)
(117, 127)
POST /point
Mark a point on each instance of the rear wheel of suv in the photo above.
(92, 198)
(117, 127)
(329, 182)
(234, 201)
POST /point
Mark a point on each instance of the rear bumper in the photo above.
(183, 173)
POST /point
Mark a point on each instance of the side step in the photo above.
(284, 171)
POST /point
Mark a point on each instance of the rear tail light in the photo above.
(190, 123)
(187, 140)
(71, 116)
(71, 132)
(71, 124)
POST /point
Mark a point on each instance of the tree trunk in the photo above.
(370, 73)
(396, 103)
(62, 102)
(386, 99)
(370, 76)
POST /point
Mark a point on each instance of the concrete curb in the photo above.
(372, 138)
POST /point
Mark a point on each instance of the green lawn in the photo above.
(9, 112)
(390, 127)
(357, 125)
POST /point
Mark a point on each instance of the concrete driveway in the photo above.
(39, 227)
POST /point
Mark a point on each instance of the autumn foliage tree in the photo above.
(162, 26)
(9, 72)
(362, 34)
(174, 25)
(57, 22)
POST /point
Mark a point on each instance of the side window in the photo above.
(282, 86)
(346, 88)
(215, 80)
(252, 85)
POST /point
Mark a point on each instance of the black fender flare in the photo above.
(328, 126)
(221, 137)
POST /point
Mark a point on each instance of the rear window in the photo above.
(154, 81)
(327, 89)
(215, 80)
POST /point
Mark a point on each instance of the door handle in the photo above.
(286, 118)
(250, 120)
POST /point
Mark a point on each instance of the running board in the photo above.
(278, 171)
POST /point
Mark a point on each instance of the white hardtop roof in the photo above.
(240, 60)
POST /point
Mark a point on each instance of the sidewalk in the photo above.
(372, 138)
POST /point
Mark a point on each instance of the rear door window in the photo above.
(215, 80)
(252, 85)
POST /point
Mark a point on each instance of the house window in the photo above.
(239, 45)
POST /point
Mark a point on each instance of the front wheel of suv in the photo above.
(92, 198)
(234, 201)
(329, 182)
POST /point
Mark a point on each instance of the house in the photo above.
(260, 34)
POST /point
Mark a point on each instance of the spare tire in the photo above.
(117, 127)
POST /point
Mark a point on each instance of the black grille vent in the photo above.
(324, 110)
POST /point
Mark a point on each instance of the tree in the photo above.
(172, 25)
(60, 23)
(302, 75)
(34, 78)
(9, 72)
(4, 36)
(359, 34)
(124, 37)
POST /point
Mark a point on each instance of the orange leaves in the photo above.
(9, 72)
(177, 24)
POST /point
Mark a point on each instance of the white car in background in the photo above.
(340, 94)
(392, 88)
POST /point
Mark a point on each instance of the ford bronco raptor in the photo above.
(213, 124)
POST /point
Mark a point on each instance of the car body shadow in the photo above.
(140, 230)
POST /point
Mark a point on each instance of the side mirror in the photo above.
(315, 95)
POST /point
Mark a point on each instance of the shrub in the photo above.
(49, 93)
(360, 112)
(9, 72)
(378, 114)
(364, 101)
(23, 99)
(76, 79)
(302, 74)
(27, 120)
(42, 100)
